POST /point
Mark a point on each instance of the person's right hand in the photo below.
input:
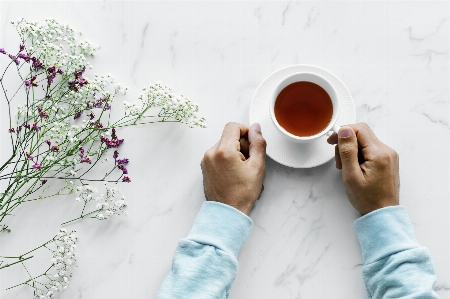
(233, 169)
(370, 168)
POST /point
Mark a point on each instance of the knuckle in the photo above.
(221, 154)
(262, 142)
(230, 124)
(208, 156)
(363, 125)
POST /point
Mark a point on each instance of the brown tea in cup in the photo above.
(303, 108)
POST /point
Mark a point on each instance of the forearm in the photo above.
(395, 265)
(205, 262)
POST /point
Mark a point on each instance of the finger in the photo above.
(257, 146)
(232, 134)
(244, 146)
(366, 137)
(337, 157)
(348, 152)
(333, 139)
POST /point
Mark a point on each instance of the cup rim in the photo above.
(333, 119)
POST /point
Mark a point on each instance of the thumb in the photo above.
(257, 146)
(348, 151)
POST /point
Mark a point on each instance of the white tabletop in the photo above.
(392, 56)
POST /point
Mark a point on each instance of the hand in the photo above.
(369, 168)
(233, 169)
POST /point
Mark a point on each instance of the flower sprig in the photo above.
(56, 278)
(61, 127)
(108, 205)
(172, 106)
(63, 132)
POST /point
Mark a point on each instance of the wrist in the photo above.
(376, 207)
(244, 209)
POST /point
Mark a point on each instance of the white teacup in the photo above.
(313, 78)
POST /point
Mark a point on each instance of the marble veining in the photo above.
(393, 56)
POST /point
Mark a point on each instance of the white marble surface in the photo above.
(392, 56)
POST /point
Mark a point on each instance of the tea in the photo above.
(303, 109)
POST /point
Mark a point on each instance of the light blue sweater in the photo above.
(205, 263)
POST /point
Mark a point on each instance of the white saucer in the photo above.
(298, 155)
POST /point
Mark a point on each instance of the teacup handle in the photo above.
(334, 129)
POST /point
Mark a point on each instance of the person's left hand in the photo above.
(234, 168)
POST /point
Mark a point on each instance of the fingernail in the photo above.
(257, 126)
(345, 132)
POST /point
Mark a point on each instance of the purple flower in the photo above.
(51, 74)
(99, 103)
(22, 47)
(43, 182)
(81, 153)
(28, 126)
(77, 115)
(123, 161)
(35, 127)
(37, 166)
(14, 58)
(55, 148)
(30, 157)
(123, 168)
(60, 71)
(113, 133)
(79, 74)
(48, 142)
(36, 63)
(2, 51)
(126, 179)
(92, 115)
(86, 160)
(42, 113)
(79, 81)
(24, 57)
(31, 82)
(97, 123)
(111, 142)
(116, 154)
(11, 130)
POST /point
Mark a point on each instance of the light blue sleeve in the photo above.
(395, 265)
(205, 262)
